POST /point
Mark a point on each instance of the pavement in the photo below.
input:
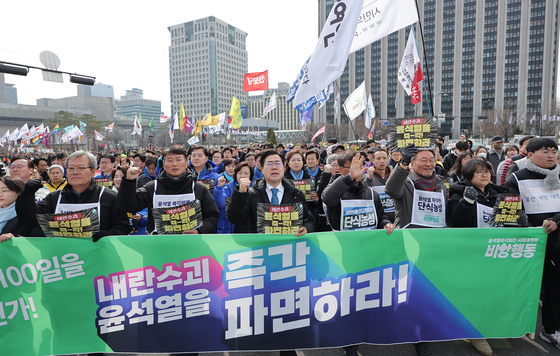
(524, 346)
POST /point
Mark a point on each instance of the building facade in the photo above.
(11, 94)
(207, 61)
(98, 89)
(483, 57)
(285, 115)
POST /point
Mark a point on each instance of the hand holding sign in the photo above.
(244, 184)
(133, 173)
(407, 153)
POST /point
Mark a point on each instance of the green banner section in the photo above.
(133, 293)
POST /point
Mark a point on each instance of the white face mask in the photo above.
(481, 154)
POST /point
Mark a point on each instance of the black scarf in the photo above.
(422, 183)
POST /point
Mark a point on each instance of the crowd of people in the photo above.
(233, 184)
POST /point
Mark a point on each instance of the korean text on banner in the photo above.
(255, 81)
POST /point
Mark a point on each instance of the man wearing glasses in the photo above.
(539, 182)
(273, 189)
(22, 168)
(81, 193)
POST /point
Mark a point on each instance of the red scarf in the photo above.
(422, 183)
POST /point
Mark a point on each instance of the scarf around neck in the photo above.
(551, 181)
(297, 176)
(7, 214)
(313, 172)
(422, 183)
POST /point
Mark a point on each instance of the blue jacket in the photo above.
(218, 169)
(209, 174)
(258, 174)
(220, 194)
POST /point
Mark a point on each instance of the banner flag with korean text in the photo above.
(329, 58)
(235, 114)
(270, 105)
(416, 92)
(409, 62)
(295, 86)
(255, 81)
(328, 91)
(225, 292)
(355, 104)
(380, 18)
(370, 112)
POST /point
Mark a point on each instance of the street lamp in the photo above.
(23, 69)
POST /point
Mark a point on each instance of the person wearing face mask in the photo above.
(497, 153)
(481, 152)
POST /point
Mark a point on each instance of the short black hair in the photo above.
(39, 159)
(332, 141)
(151, 160)
(268, 153)
(30, 163)
(110, 156)
(238, 168)
(61, 155)
(230, 161)
(280, 145)
(462, 145)
(371, 140)
(206, 150)
(347, 155)
(312, 151)
(218, 152)
(471, 166)
(142, 157)
(176, 150)
(13, 183)
(249, 154)
(523, 139)
(538, 143)
(227, 149)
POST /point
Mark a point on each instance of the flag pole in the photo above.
(425, 60)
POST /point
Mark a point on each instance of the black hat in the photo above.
(497, 139)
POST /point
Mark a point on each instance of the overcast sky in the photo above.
(125, 43)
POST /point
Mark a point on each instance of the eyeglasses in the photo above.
(276, 163)
(343, 167)
(17, 166)
(424, 161)
(79, 169)
(483, 172)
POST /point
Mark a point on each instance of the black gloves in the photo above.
(31, 187)
(470, 194)
(523, 220)
(407, 153)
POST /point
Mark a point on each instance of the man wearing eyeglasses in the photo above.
(273, 189)
(22, 168)
(539, 182)
(81, 192)
(420, 196)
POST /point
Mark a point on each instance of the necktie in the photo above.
(274, 196)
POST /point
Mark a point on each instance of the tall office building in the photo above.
(207, 61)
(481, 55)
(11, 94)
(98, 89)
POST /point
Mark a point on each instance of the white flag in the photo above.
(370, 112)
(75, 132)
(355, 104)
(552, 118)
(193, 140)
(380, 18)
(221, 119)
(328, 91)
(98, 136)
(510, 118)
(533, 119)
(137, 129)
(408, 64)
(174, 125)
(496, 119)
(336, 103)
(14, 136)
(523, 119)
(162, 119)
(32, 132)
(23, 131)
(329, 59)
(544, 118)
(270, 105)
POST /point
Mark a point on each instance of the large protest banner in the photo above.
(188, 293)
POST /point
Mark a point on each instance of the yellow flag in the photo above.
(214, 121)
(235, 114)
(197, 127)
(182, 118)
(206, 120)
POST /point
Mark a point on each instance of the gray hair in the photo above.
(80, 153)
(331, 158)
(55, 166)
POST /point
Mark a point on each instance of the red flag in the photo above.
(416, 94)
(229, 120)
(255, 81)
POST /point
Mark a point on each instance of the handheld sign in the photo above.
(81, 224)
(506, 211)
(307, 186)
(421, 132)
(279, 218)
(179, 219)
(104, 182)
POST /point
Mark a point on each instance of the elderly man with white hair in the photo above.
(81, 193)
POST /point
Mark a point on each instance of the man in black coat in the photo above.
(80, 193)
(174, 183)
(244, 200)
